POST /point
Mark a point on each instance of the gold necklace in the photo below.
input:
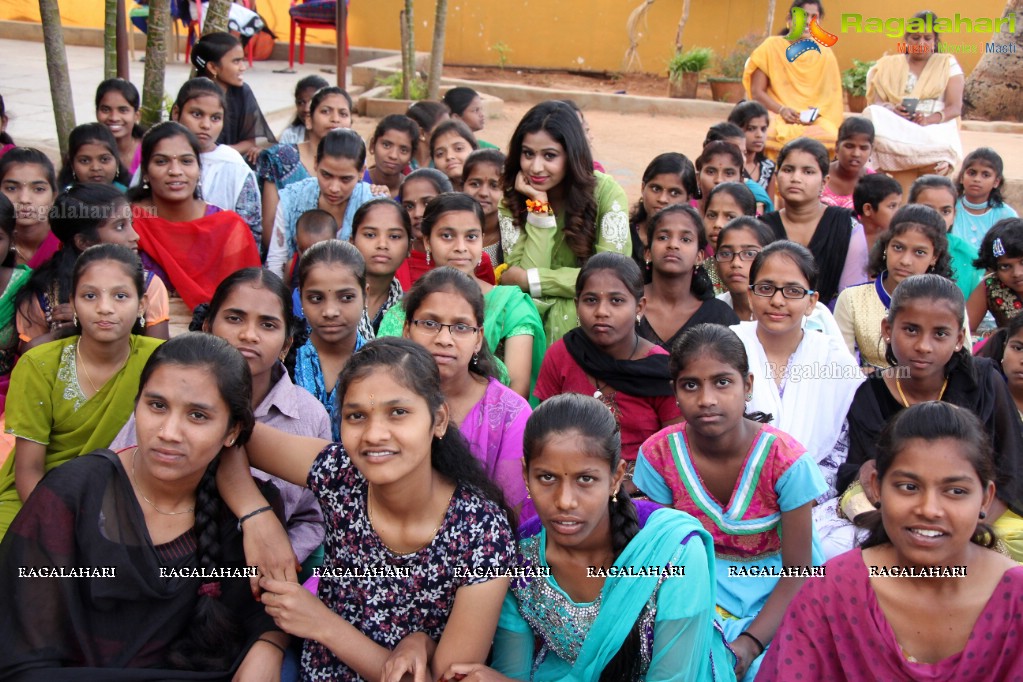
(369, 511)
(905, 403)
(85, 369)
(135, 480)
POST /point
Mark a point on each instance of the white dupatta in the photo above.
(820, 380)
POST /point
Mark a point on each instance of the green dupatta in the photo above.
(46, 406)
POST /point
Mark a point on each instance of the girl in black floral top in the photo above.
(412, 527)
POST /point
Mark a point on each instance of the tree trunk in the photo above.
(993, 91)
(682, 25)
(156, 57)
(437, 51)
(110, 39)
(631, 60)
(216, 17)
(770, 17)
(56, 67)
(408, 49)
(122, 36)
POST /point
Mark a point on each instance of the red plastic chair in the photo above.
(303, 24)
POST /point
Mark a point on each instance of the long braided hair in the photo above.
(213, 638)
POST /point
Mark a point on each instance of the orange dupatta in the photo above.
(197, 255)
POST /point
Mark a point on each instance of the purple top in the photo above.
(494, 429)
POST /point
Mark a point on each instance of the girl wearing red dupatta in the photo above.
(193, 243)
(926, 597)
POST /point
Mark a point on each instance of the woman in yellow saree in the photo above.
(72, 396)
(788, 89)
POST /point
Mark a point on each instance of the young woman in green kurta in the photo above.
(564, 210)
(72, 396)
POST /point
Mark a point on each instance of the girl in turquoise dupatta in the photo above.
(452, 229)
(569, 617)
(75, 394)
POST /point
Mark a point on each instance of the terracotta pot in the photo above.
(857, 103)
(727, 90)
(684, 87)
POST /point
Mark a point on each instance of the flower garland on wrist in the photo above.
(539, 207)
(498, 271)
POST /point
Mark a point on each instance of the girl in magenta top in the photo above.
(926, 597)
(605, 356)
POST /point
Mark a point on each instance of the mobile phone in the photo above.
(809, 115)
(909, 104)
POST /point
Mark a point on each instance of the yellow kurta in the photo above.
(813, 80)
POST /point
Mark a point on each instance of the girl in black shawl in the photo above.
(606, 357)
(221, 58)
(831, 233)
(125, 566)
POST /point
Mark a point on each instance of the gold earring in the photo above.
(614, 496)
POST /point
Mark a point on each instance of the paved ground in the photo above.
(624, 143)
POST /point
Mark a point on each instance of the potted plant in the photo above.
(728, 86)
(854, 82)
(684, 71)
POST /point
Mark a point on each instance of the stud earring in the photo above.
(877, 505)
(983, 515)
(749, 397)
(428, 256)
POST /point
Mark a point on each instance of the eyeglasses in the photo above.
(458, 329)
(767, 291)
(729, 256)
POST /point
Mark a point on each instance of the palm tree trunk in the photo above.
(992, 91)
(121, 37)
(437, 51)
(216, 17)
(408, 49)
(110, 39)
(156, 60)
(56, 67)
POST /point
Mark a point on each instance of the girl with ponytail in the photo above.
(581, 612)
(749, 484)
(172, 601)
(403, 497)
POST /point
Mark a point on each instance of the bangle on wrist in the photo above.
(533, 278)
(273, 644)
(760, 645)
(253, 513)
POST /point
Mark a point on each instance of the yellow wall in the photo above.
(577, 34)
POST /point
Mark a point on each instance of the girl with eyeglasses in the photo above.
(804, 378)
(679, 294)
(445, 315)
(607, 358)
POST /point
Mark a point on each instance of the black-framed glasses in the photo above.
(458, 329)
(790, 291)
(729, 256)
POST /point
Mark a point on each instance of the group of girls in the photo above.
(551, 361)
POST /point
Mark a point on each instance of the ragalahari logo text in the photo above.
(801, 45)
